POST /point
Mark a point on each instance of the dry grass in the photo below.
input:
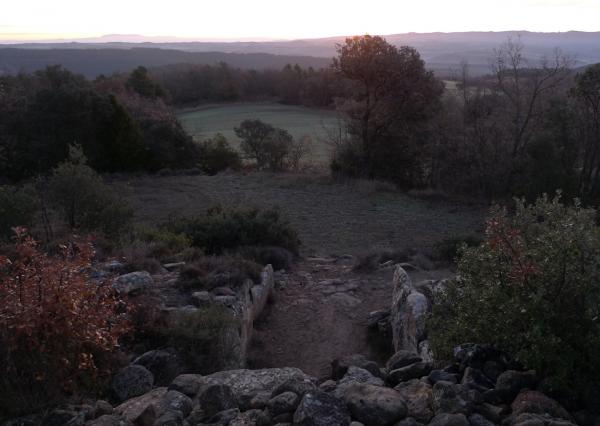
(331, 217)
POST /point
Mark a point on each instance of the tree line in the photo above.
(524, 129)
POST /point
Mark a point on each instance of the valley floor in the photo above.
(331, 218)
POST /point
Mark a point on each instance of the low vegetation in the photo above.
(221, 230)
(58, 328)
(530, 288)
(210, 272)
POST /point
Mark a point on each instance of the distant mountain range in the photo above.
(443, 52)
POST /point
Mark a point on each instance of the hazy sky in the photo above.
(255, 19)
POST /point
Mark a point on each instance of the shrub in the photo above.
(84, 201)
(370, 261)
(221, 230)
(278, 257)
(218, 271)
(532, 289)
(57, 327)
(217, 155)
(162, 243)
(18, 207)
(202, 337)
(448, 249)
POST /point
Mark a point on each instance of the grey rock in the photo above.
(109, 420)
(176, 401)
(298, 385)
(187, 384)
(201, 298)
(441, 375)
(446, 419)
(132, 381)
(479, 420)
(375, 405)
(511, 382)
(529, 419)
(450, 398)
(408, 313)
(321, 409)
(418, 397)
(164, 364)
(245, 384)
(102, 408)
(475, 379)
(225, 417)
(133, 283)
(491, 412)
(144, 409)
(170, 418)
(534, 402)
(409, 421)
(285, 402)
(340, 366)
(214, 398)
(402, 358)
(412, 371)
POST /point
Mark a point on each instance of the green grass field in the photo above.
(205, 122)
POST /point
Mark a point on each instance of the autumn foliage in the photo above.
(57, 326)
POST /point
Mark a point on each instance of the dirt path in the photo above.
(320, 313)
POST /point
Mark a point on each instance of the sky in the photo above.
(285, 19)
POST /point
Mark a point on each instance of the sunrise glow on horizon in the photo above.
(272, 19)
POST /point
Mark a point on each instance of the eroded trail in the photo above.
(320, 313)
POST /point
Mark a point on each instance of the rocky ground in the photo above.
(321, 312)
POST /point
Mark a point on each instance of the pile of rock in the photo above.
(481, 387)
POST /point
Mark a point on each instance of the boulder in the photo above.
(479, 420)
(285, 402)
(418, 396)
(375, 405)
(176, 401)
(169, 418)
(450, 398)
(225, 417)
(102, 408)
(201, 298)
(214, 398)
(145, 409)
(187, 384)
(247, 418)
(132, 381)
(412, 371)
(109, 420)
(355, 375)
(298, 385)
(408, 313)
(245, 384)
(409, 421)
(534, 402)
(340, 366)
(133, 283)
(511, 382)
(401, 359)
(321, 409)
(474, 378)
(446, 419)
(441, 375)
(164, 364)
(528, 419)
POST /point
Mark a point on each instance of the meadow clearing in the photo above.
(205, 122)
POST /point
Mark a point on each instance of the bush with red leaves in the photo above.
(57, 326)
